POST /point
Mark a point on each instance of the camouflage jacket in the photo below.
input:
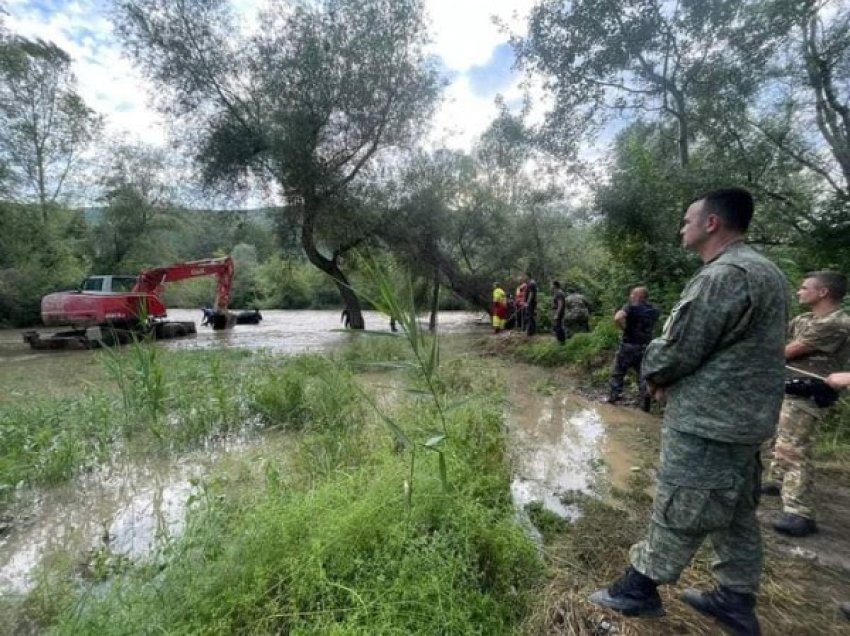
(576, 307)
(829, 338)
(721, 354)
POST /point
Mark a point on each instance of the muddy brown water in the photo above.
(559, 442)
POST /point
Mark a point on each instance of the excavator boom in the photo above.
(151, 280)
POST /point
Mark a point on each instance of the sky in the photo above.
(473, 51)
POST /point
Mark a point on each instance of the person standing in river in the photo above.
(720, 364)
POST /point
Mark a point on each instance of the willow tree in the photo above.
(307, 103)
(44, 123)
(604, 59)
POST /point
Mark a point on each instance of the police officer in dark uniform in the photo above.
(637, 320)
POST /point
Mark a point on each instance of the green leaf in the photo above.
(435, 441)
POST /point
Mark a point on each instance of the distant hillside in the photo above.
(260, 216)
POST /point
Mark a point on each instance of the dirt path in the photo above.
(566, 439)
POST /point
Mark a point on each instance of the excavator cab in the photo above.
(108, 284)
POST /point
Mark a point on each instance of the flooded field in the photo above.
(280, 332)
(560, 443)
(129, 508)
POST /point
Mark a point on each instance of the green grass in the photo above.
(160, 400)
(833, 435)
(588, 351)
(385, 517)
(338, 552)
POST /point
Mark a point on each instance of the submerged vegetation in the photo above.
(327, 537)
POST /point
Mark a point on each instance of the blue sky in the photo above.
(474, 54)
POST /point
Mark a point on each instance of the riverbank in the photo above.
(335, 500)
(804, 581)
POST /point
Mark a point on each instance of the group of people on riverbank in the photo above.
(720, 366)
(570, 309)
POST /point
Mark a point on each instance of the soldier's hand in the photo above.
(838, 381)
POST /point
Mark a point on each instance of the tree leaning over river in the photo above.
(305, 105)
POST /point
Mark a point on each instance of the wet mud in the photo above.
(563, 444)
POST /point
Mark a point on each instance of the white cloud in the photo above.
(464, 32)
(465, 36)
(106, 80)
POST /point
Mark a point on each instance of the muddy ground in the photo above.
(804, 581)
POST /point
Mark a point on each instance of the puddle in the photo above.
(560, 445)
(133, 508)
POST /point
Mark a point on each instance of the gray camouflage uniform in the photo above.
(576, 313)
(720, 360)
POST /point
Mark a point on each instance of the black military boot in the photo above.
(735, 612)
(633, 594)
(646, 404)
(795, 525)
(613, 398)
(771, 488)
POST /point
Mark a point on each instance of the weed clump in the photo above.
(588, 351)
(368, 351)
(307, 392)
(346, 556)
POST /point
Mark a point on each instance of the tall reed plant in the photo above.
(424, 364)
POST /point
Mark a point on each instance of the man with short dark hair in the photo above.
(719, 362)
(819, 345)
(637, 321)
(558, 308)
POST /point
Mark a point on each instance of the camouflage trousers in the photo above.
(792, 458)
(706, 490)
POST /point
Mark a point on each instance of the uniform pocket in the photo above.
(694, 510)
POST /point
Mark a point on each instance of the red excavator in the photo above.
(110, 310)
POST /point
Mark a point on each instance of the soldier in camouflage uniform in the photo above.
(577, 312)
(719, 362)
(819, 345)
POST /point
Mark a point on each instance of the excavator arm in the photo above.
(151, 280)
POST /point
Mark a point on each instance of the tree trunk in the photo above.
(435, 301)
(682, 117)
(329, 267)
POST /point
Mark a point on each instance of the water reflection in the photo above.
(131, 507)
(558, 448)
